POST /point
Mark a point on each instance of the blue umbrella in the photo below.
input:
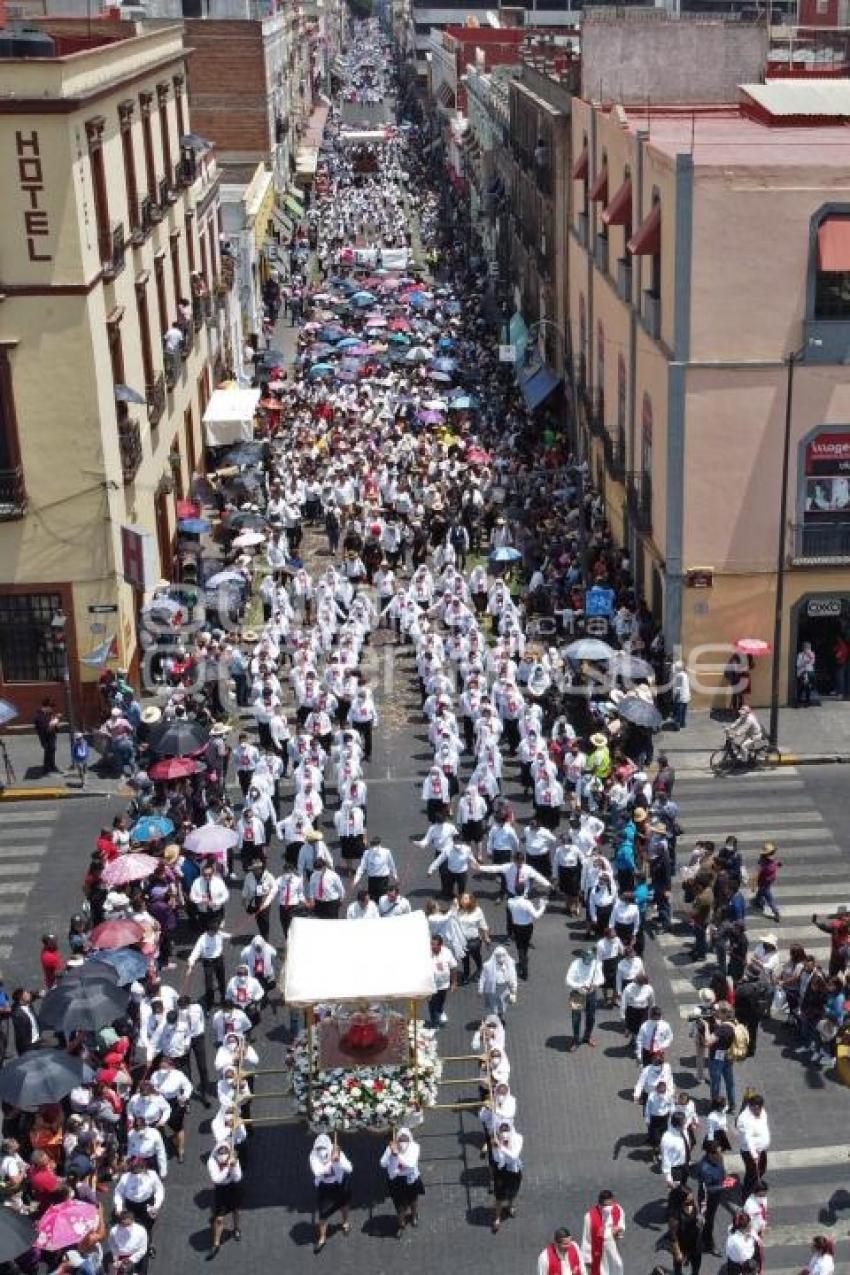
(446, 343)
(151, 828)
(226, 577)
(444, 365)
(130, 964)
(439, 376)
(462, 403)
(505, 554)
(348, 342)
(452, 307)
(364, 298)
(320, 369)
(333, 333)
(194, 526)
(319, 350)
(419, 300)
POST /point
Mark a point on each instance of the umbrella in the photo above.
(312, 326)
(333, 332)
(446, 343)
(444, 365)
(319, 370)
(376, 321)
(271, 356)
(245, 520)
(439, 376)
(431, 418)
(127, 963)
(244, 487)
(194, 526)
(244, 454)
(639, 712)
(17, 1234)
(83, 1006)
(462, 403)
(211, 838)
(399, 338)
(40, 1076)
(8, 712)
(364, 298)
(65, 1225)
(248, 540)
(505, 553)
(321, 348)
(348, 342)
(589, 649)
(91, 969)
(752, 646)
(174, 768)
(630, 668)
(177, 739)
(418, 354)
(155, 827)
(226, 577)
(187, 509)
(419, 300)
(118, 933)
(435, 405)
(135, 866)
(126, 394)
(277, 386)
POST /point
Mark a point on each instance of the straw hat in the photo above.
(598, 740)
(250, 635)
(707, 996)
(770, 939)
(221, 728)
(640, 815)
(170, 855)
(151, 715)
(314, 836)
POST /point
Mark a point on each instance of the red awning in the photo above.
(834, 245)
(619, 211)
(582, 165)
(646, 242)
(599, 189)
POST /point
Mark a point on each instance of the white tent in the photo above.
(229, 417)
(380, 960)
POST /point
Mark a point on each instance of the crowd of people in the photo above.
(406, 504)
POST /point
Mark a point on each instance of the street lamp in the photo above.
(59, 624)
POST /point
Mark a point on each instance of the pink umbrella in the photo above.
(175, 768)
(376, 322)
(129, 867)
(65, 1225)
(312, 326)
(212, 839)
(478, 456)
(752, 646)
(120, 933)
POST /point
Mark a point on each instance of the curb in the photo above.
(814, 759)
(52, 794)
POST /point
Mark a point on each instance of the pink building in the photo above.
(707, 244)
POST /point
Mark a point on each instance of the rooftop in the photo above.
(726, 137)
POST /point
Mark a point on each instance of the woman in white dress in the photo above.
(821, 1261)
(331, 1170)
(400, 1162)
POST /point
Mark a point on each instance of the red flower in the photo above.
(379, 1086)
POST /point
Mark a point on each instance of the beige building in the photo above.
(707, 244)
(110, 220)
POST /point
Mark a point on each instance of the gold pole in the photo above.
(309, 1062)
(414, 1045)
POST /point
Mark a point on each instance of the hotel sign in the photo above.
(31, 186)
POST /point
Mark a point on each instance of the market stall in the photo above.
(229, 417)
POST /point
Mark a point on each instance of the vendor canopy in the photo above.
(229, 417)
(356, 136)
(380, 960)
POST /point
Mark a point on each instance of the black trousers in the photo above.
(213, 975)
(198, 1051)
(522, 937)
(365, 729)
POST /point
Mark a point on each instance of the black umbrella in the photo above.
(91, 969)
(245, 520)
(41, 1076)
(83, 1005)
(639, 712)
(272, 357)
(244, 454)
(244, 487)
(630, 668)
(179, 738)
(17, 1234)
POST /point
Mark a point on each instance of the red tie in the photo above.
(320, 893)
(288, 894)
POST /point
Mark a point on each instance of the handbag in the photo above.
(578, 1000)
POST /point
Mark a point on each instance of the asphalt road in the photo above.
(581, 1130)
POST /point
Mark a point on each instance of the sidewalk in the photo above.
(806, 735)
(30, 783)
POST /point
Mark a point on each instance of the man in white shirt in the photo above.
(258, 891)
(378, 866)
(127, 1243)
(444, 967)
(140, 1192)
(362, 908)
(209, 950)
(655, 1036)
(583, 979)
(675, 1151)
(325, 890)
(393, 903)
(208, 896)
(523, 912)
(753, 1141)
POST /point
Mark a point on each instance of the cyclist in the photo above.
(746, 733)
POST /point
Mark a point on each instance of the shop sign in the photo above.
(700, 578)
(824, 608)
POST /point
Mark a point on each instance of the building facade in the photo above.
(113, 324)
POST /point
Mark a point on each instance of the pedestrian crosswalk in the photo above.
(755, 808)
(24, 842)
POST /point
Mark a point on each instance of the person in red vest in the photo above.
(562, 1256)
(604, 1224)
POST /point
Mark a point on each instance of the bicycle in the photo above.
(731, 757)
(9, 769)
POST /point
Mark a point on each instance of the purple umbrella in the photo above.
(431, 418)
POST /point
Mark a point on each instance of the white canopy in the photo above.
(380, 960)
(229, 417)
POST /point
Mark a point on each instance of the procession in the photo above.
(402, 561)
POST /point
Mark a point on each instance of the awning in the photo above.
(446, 94)
(834, 245)
(599, 189)
(229, 417)
(646, 242)
(619, 211)
(378, 960)
(294, 206)
(306, 163)
(537, 388)
(281, 220)
(582, 165)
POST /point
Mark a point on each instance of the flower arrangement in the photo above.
(366, 1097)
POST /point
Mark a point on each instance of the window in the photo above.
(600, 371)
(145, 102)
(10, 455)
(646, 435)
(832, 281)
(165, 132)
(178, 82)
(175, 267)
(826, 495)
(94, 133)
(116, 359)
(582, 341)
(27, 649)
(202, 240)
(145, 328)
(161, 299)
(621, 394)
(125, 116)
(190, 241)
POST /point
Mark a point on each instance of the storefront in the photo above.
(824, 620)
(824, 527)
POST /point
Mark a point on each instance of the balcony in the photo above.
(171, 362)
(13, 494)
(145, 216)
(155, 394)
(650, 313)
(166, 194)
(197, 313)
(624, 279)
(185, 170)
(615, 455)
(819, 542)
(114, 251)
(582, 228)
(600, 253)
(130, 448)
(639, 501)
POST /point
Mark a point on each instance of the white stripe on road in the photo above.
(800, 1232)
(8, 835)
(801, 1194)
(19, 870)
(796, 909)
(754, 817)
(20, 816)
(782, 835)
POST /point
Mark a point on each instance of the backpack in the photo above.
(740, 1046)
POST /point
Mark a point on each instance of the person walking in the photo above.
(680, 694)
(767, 873)
(523, 912)
(332, 1170)
(46, 723)
(226, 1173)
(507, 1172)
(400, 1162)
(740, 1247)
(583, 979)
(686, 1232)
(497, 982)
(604, 1227)
(561, 1257)
(753, 1131)
(444, 966)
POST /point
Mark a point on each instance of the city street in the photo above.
(581, 1130)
